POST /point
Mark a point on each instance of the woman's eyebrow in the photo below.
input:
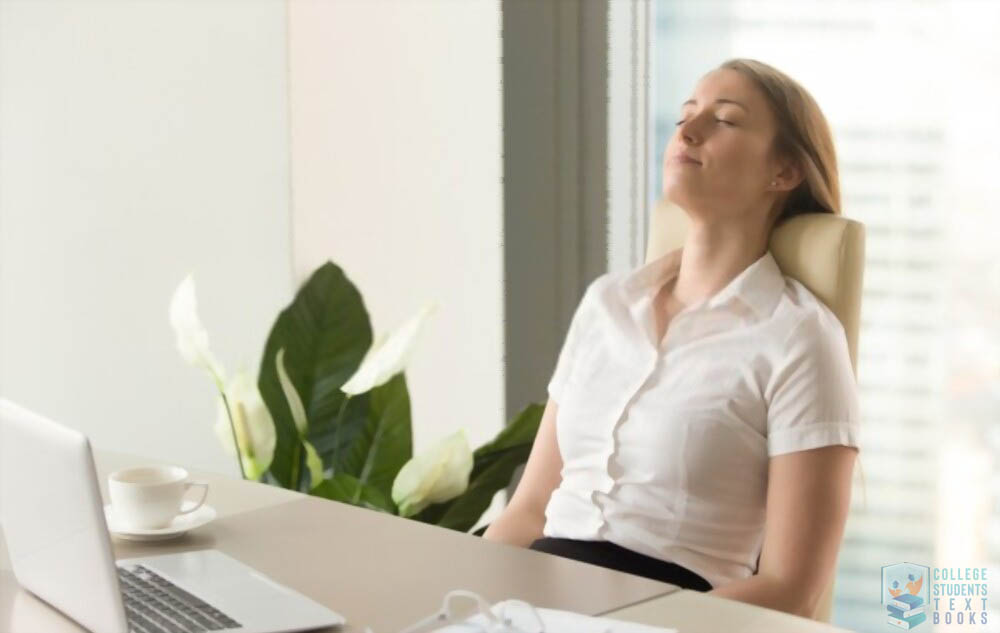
(693, 102)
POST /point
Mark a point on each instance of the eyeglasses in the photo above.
(459, 605)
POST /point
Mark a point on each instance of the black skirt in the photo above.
(607, 554)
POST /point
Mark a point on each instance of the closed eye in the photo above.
(730, 123)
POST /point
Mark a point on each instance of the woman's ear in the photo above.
(789, 177)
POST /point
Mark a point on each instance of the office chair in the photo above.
(824, 252)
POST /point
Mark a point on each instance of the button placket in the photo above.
(600, 496)
(610, 478)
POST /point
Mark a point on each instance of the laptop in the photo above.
(60, 550)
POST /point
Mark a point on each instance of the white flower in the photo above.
(388, 356)
(291, 395)
(313, 461)
(192, 338)
(251, 420)
(253, 424)
(437, 475)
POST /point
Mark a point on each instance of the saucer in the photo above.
(180, 524)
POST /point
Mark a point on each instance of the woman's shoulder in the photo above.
(604, 287)
(799, 310)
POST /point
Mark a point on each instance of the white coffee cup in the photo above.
(150, 497)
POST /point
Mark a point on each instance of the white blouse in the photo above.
(665, 445)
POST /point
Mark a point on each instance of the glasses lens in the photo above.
(462, 607)
(521, 617)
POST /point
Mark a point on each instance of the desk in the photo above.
(386, 572)
(696, 612)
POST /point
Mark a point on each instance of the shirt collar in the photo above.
(759, 285)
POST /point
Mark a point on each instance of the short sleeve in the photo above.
(568, 352)
(812, 395)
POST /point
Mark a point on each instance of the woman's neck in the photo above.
(713, 255)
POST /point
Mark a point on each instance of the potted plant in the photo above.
(329, 413)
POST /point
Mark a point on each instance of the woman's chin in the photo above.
(676, 192)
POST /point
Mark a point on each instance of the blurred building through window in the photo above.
(911, 92)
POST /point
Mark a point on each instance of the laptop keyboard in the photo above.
(153, 604)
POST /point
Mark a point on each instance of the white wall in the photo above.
(397, 177)
(139, 141)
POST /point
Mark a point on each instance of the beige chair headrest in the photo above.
(824, 252)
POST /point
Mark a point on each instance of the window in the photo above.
(911, 94)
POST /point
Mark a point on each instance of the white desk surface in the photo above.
(696, 612)
(386, 572)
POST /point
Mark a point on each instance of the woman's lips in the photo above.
(681, 158)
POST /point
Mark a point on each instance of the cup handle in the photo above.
(204, 494)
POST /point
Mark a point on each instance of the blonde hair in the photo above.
(803, 136)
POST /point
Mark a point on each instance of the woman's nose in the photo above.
(689, 132)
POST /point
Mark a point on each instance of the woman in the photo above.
(704, 391)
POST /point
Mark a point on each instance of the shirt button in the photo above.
(615, 471)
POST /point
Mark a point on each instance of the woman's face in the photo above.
(719, 158)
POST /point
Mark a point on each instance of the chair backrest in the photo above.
(824, 252)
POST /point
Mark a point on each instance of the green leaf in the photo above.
(342, 487)
(385, 442)
(323, 436)
(520, 432)
(464, 511)
(325, 332)
(493, 467)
